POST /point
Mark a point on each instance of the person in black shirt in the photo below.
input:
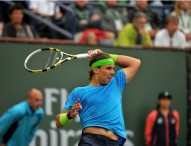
(16, 27)
(162, 124)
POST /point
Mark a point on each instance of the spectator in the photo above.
(170, 36)
(84, 23)
(154, 22)
(162, 124)
(113, 18)
(1, 28)
(183, 12)
(4, 9)
(19, 124)
(16, 27)
(49, 11)
(134, 33)
(1, 19)
(25, 5)
(155, 6)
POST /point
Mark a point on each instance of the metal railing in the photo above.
(70, 35)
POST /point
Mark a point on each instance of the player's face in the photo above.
(105, 73)
(35, 99)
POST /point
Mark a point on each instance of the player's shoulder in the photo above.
(120, 71)
(77, 89)
(120, 74)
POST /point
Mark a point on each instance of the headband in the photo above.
(102, 62)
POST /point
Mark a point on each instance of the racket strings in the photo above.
(43, 60)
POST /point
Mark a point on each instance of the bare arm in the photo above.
(130, 66)
(57, 118)
(72, 112)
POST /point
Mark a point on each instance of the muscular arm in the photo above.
(73, 112)
(58, 117)
(130, 66)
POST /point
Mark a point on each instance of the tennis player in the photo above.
(99, 104)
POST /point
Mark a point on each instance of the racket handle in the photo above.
(82, 56)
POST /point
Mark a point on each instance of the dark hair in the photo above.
(171, 18)
(139, 15)
(15, 7)
(95, 58)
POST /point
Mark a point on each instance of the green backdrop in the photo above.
(160, 70)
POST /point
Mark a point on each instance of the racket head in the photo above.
(45, 59)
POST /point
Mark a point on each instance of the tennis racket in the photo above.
(45, 59)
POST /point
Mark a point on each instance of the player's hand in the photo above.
(2, 145)
(75, 108)
(93, 52)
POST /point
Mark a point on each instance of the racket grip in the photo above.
(82, 56)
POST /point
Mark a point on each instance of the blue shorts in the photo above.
(89, 139)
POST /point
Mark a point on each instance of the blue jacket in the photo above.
(27, 125)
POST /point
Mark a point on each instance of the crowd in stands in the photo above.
(103, 22)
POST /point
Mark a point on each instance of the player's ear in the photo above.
(96, 70)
